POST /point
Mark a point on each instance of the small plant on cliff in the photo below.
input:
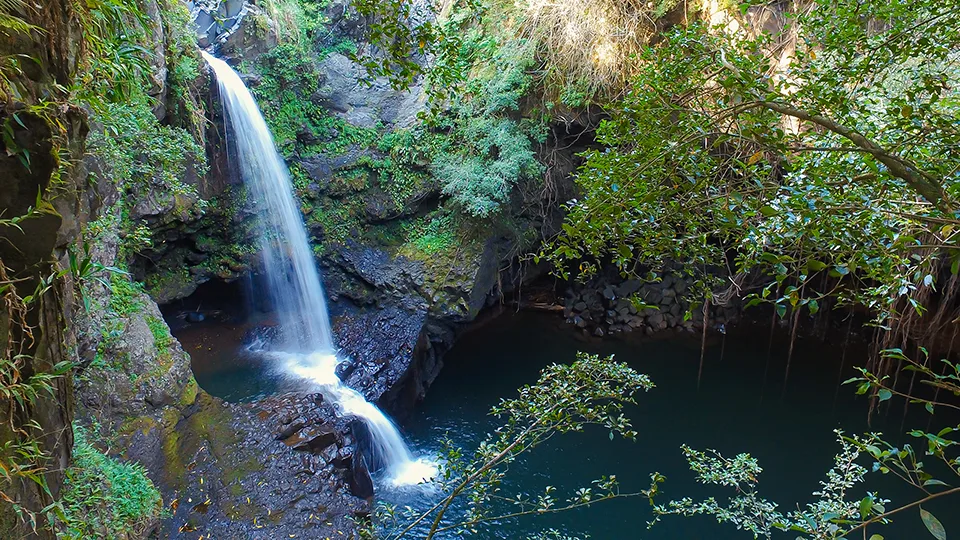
(104, 497)
(162, 340)
(22, 455)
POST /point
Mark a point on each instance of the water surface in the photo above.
(791, 433)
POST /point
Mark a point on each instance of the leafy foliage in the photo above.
(840, 165)
(427, 238)
(116, 66)
(481, 176)
(22, 456)
(104, 497)
(289, 80)
(488, 151)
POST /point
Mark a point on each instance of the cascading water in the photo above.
(293, 278)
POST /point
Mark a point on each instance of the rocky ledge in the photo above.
(279, 468)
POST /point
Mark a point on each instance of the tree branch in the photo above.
(923, 183)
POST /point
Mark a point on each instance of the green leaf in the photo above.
(876, 537)
(929, 406)
(933, 525)
(934, 482)
(768, 211)
(884, 394)
(865, 505)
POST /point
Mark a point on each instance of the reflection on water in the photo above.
(222, 364)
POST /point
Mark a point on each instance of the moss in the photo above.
(143, 424)
(233, 474)
(162, 340)
(175, 470)
(338, 219)
(124, 295)
(168, 279)
(189, 394)
(428, 237)
(236, 489)
(243, 510)
(209, 425)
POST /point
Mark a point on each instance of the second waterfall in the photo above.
(307, 349)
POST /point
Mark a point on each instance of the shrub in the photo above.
(480, 176)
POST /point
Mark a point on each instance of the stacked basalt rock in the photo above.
(607, 305)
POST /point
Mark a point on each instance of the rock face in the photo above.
(36, 337)
(365, 106)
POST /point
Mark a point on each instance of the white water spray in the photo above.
(389, 447)
(293, 278)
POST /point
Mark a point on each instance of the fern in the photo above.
(11, 21)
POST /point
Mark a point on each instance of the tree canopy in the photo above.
(818, 154)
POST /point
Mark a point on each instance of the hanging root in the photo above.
(703, 338)
(922, 320)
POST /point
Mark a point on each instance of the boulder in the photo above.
(629, 287)
(359, 479)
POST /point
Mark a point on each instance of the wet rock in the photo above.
(290, 429)
(609, 294)
(312, 439)
(360, 481)
(390, 354)
(680, 286)
(329, 454)
(344, 457)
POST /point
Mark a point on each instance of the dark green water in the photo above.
(220, 364)
(790, 434)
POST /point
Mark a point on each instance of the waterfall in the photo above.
(293, 279)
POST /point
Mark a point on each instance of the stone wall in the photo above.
(609, 305)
